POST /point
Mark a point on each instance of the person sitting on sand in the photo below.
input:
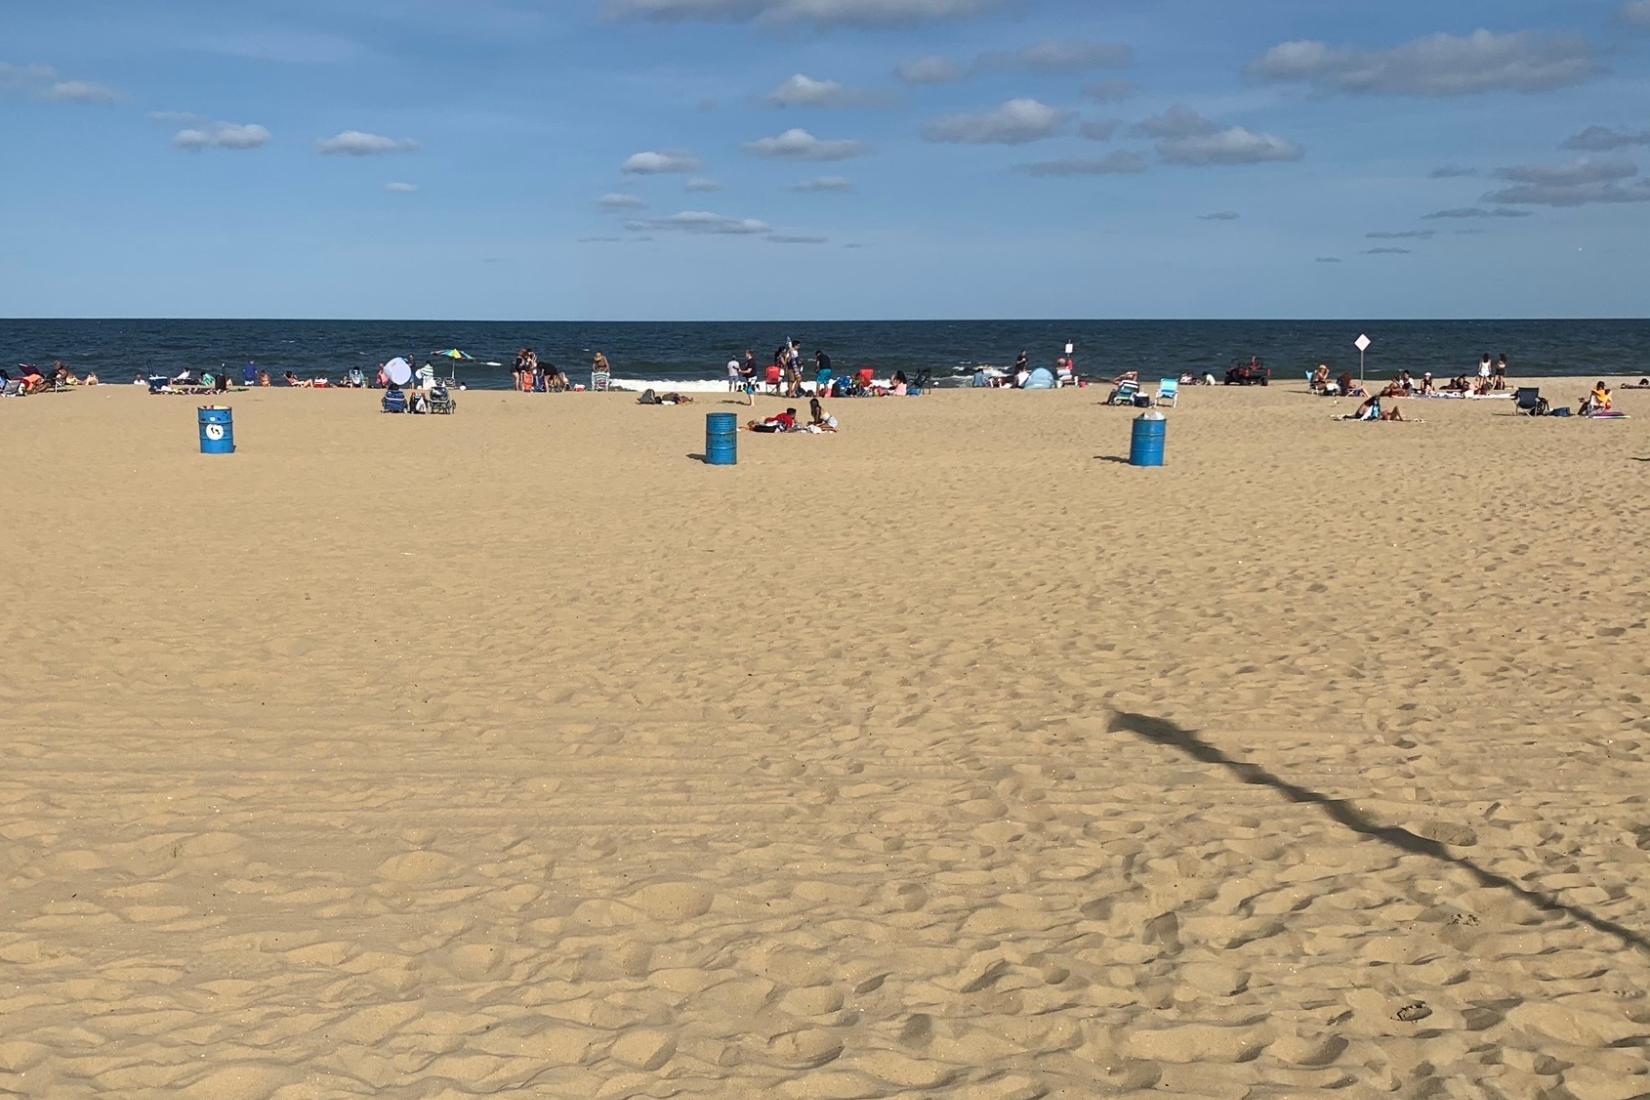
(1598, 401)
(781, 422)
(62, 375)
(263, 379)
(1426, 386)
(293, 380)
(1320, 379)
(91, 378)
(818, 419)
(32, 380)
(1349, 388)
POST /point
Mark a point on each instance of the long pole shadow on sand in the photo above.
(1160, 731)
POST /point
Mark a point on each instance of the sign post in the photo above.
(1362, 344)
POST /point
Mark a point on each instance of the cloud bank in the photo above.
(1438, 65)
(823, 13)
(358, 143)
(801, 145)
(654, 164)
(221, 135)
(43, 83)
(1014, 123)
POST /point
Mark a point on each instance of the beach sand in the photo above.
(519, 753)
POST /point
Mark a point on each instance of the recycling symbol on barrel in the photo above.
(214, 431)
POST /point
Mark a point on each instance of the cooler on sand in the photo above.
(1146, 442)
(217, 425)
(721, 439)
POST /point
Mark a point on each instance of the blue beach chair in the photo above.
(395, 401)
(1168, 392)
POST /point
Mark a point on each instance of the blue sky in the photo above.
(733, 159)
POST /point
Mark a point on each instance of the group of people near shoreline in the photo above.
(534, 375)
(32, 379)
(783, 377)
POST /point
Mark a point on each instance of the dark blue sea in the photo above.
(118, 350)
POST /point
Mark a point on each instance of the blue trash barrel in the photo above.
(1146, 443)
(217, 424)
(721, 439)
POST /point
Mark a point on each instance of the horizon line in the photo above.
(826, 320)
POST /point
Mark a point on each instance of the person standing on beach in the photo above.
(1484, 371)
(735, 376)
(1501, 372)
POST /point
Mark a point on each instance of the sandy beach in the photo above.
(519, 753)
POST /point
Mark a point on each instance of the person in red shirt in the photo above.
(781, 422)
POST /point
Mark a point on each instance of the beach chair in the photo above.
(1125, 393)
(1168, 392)
(12, 388)
(599, 380)
(1527, 401)
(395, 401)
(441, 401)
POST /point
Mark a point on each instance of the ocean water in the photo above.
(118, 349)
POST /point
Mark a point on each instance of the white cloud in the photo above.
(804, 91)
(1576, 172)
(1014, 123)
(1463, 212)
(703, 222)
(1100, 129)
(1387, 252)
(397, 187)
(43, 83)
(1403, 235)
(617, 201)
(652, 164)
(1186, 137)
(221, 135)
(1579, 183)
(700, 183)
(1060, 56)
(1220, 216)
(1438, 65)
(801, 145)
(1636, 12)
(1226, 147)
(1178, 121)
(851, 13)
(824, 184)
(929, 70)
(790, 238)
(1112, 164)
(357, 143)
(1602, 139)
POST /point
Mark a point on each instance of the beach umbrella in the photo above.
(454, 353)
(398, 371)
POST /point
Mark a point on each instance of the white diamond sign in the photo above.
(1362, 343)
